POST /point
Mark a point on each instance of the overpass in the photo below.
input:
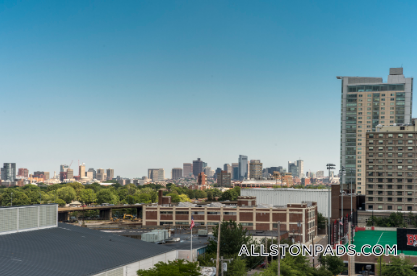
(105, 211)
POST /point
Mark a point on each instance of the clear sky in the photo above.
(133, 85)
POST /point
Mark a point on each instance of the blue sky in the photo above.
(134, 85)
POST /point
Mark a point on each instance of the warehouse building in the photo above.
(284, 196)
(32, 242)
(300, 219)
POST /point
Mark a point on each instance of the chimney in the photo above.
(160, 197)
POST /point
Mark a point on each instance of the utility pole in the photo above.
(329, 167)
(279, 250)
(218, 250)
(313, 249)
(221, 262)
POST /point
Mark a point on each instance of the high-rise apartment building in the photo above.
(110, 174)
(176, 173)
(235, 171)
(366, 103)
(224, 179)
(201, 178)
(23, 172)
(197, 166)
(320, 174)
(300, 168)
(63, 168)
(81, 170)
(390, 168)
(207, 171)
(243, 167)
(101, 174)
(44, 175)
(255, 168)
(70, 173)
(8, 172)
(156, 174)
(94, 173)
(187, 169)
(228, 168)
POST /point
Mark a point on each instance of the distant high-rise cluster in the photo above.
(296, 168)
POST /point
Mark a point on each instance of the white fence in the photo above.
(25, 218)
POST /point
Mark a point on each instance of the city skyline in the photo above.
(137, 65)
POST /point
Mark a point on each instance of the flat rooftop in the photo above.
(183, 244)
(69, 250)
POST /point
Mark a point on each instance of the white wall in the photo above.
(284, 196)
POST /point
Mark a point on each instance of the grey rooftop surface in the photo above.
(69, 250)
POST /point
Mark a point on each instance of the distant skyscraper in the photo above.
(176, 173)
(201, 178)
(300, 168)
(23, 172)
(207, 171)
(235, 171)
(101, 175)
(320, 174)
(63, 168)
(296, 168)
(44, 175)
(156, 174)
(243, 167)
(8, 172)
(197, 166)
(187, 169)
(366, 103)
(70, 174)
(228, 168)
(224, 179)
(81, 170)
(93, 171)
(255, 167)
(110, 174)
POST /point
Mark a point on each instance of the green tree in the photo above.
(88, 196)
(19, 197)
(77, 186)
(210, 196)
(233, 236)
(332, 263)
(144, 198)
(200, 194)
(237, 267)
(67, 194)
(184, 198)
(172, 268)
(398, 267)
(321, 221)
(229, 195)
(106, 196)
(174, 197)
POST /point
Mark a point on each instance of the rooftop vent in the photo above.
(396, 71)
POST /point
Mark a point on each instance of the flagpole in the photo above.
(191, 244)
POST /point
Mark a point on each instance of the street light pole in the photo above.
(351, 192)
(330, 166)
(341, 183)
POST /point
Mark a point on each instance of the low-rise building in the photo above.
(299, 219)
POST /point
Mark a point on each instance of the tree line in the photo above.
(115, 193)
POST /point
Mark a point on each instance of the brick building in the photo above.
(250, 215)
